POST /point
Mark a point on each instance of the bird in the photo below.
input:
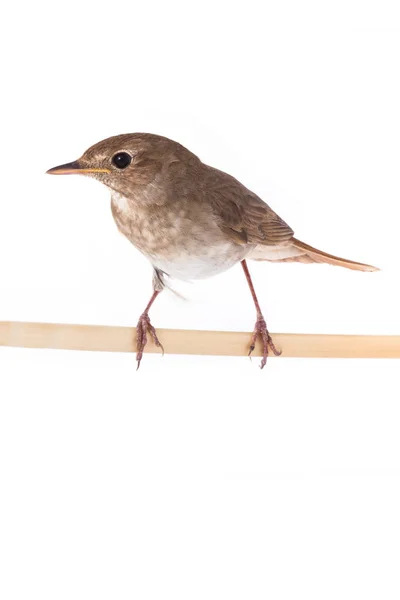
(192, 221)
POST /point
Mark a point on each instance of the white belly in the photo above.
(200, 265)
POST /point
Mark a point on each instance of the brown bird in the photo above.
(190, 220)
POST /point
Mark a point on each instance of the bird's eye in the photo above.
(121, 160)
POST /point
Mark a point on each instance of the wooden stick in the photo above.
(178, 341)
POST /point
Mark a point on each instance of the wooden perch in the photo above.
(178, 341)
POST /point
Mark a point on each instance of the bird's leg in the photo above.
(260, 329)
(143, 327)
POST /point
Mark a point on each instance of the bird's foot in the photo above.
(142, 329)
(261, 331)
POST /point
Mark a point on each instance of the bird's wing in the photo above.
(242, 215)
(246, 219)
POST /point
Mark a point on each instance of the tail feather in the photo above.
(296, 251)
(323, 257)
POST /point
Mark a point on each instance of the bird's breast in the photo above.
(135, 222)
(186, 245)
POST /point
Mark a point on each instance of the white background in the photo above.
(201, 477)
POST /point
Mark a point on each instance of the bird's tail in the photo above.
(322, 257)
(297, 251)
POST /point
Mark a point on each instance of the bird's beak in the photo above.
(74, 168)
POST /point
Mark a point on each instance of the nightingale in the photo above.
(190, 220)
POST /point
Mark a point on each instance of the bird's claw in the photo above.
(260, 330)
(143, 327)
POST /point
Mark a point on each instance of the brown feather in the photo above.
(297, 251)
(239, 211)
(245, 218)
(323, 257)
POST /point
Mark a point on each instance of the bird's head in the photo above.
(124, 162)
